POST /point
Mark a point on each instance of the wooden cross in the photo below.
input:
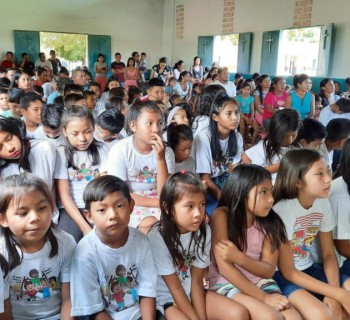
(325, 36)
(27, 39)
(269, 41)
(99, 44)
(244, 40)
(205, 44)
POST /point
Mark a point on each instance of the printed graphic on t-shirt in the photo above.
(36, 285)
(221, 165)
(184, 271)
(119, 290)
(144, 175)
(83, 173)
(305, 230)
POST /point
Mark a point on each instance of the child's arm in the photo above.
(288, 103)
(252, 111)
(257, 104)
(312, 107)
(212, 187)
(271, 168)
(66, 304)
(69, 205)
(6, 315)
(179, 295)
(197, 292)
(264, 268)
(144, 201)
(343, 247)
(148, 308)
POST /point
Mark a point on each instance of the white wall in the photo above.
(204, 17)
(134, 25)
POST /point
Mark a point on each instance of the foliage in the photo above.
(71, 47)
(311, 35)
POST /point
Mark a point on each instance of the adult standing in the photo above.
(9, 62)
(101, 70)
(118, 68)
(55, 62)
(223, 81)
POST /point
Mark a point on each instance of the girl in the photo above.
(283, 130)
(275, 99)
(131, 73)
(42, 77)
(184, 87)
(180, 244)
(263, 83)
(143, 161)
(22, 80)
(161, 71)
(246, 104)
(302, 99)
(197, 70)
(79, 161)
(112, 82)
(38, 255)
(18, 154)
(180, 139)
(202, 113)
(301, 189)
(101, 70)
(219, 147)
(246, 237)
(327, 92)
(179, 114)
(179, 67)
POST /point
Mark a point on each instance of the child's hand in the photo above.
(205, 185)
(158, 146)
(335, 307)
(277, 301)
(227, 251)
(344, 299)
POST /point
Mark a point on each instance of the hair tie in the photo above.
(172, 114)
(183, 171)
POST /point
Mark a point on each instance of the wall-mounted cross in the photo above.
(205, 45)
(26, 39)
(99, 44)
(244, 40)
(325, 36)
(269, 41)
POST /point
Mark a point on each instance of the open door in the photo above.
(96, 45)
(205, 50)
(27, 41)
(269, 52)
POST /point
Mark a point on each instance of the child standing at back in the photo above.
(116, 259)
(143, 161)
(39, 256)
(301, 190)
(180, 244)
(246, 237)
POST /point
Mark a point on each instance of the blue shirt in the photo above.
(302, 105)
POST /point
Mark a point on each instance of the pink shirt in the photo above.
(255, 240)
(276, 101)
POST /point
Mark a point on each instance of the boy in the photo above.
(108, 126)
(31, 107)
(312, 134)
(4, 99)
(112, 271)
(14, 96)
(90, 99)
(50, 130)
(156, 90)
(74, 99)
(339, 109)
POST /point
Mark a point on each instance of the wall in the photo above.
(132, 24)
(204, 17)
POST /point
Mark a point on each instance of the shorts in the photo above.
(139, 213)
(344, 271)
(229, 290)
(287, 287)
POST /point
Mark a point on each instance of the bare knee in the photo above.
(271, 315)
(238, 312)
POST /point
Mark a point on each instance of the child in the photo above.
(246, 104)
(180, 139)
(143, 66)
(15, 96)
(91, 101)
(72, 99)
(116, 259)
(143, 161)
(327, 93)
(38, 255)
(339, 198)
(113, 82)
(178, 114)
(169, 89)
(301, 189)
(318, 106)
(175, 99)
(50, 129)
(4, 99)
(339, 109)
(180, 244)
(108, 126)
(311, 134)
(246, 237)
(156, 90)
(302, 99)
(283, 130)
(219, 147)
(79, 160)
(263, 84)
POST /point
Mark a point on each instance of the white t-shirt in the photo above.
(204, 160)
(80, 175)
(139, 170)
(35, 284)
(340, 202)
(199, 123)
(40, 134)
(112, 279)
(189, 165)
(229, 86)
(43, 64)
(33, 134)
(303, 225)
(165, 265)
(42, 159)
(328, 155)
(327, 115)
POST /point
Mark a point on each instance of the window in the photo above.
(226, 51)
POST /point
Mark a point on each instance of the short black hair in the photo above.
(24, 54)
(116, 92)
(111, 120)
(15, 95)
(338, 129)
(94, 84)
(311, 130)
(5, 82)
(88, 93)
(51, 116)
(343, 104)
(117, 54)
(101, 187)
(4, 90)
(72, 99)
(71, 87)
(156, 82)
(28, 98)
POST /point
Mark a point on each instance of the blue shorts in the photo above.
(287, 287)
(345, 271)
